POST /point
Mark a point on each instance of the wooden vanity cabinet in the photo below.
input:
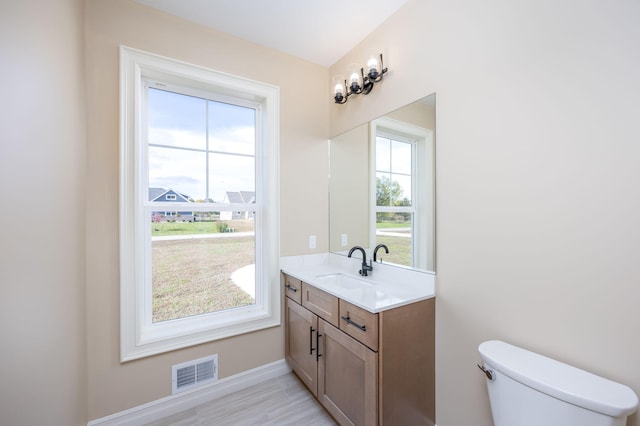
(364, 368)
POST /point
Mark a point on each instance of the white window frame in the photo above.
(422, 187)
(139, 336)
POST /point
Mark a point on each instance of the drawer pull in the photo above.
(355, 324)
(289, 287)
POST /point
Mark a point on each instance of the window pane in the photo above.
(395, 230)
(211, 270)
(176, 120)
(393, 190)
(383, 154)
(202, 262)
(231, 128)
(401, 157)
(177, 169)
(402, 190)
(231, 174)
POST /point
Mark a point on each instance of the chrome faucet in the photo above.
(375, 251)
(365, 267)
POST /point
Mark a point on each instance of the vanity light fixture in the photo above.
(359, 82)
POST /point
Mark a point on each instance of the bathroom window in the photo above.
(402, 187)
(395, 185)
(200, 263)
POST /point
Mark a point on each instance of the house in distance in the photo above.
(238, 197)
(161, 195)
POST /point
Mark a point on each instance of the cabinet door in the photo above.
(347, 377)
(300, 343)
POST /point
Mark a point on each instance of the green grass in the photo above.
(198, 228)
(385, 225)
(183, 228)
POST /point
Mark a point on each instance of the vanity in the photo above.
(364, 346)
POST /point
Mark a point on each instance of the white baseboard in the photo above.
(173, 404)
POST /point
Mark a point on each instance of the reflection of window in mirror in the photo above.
(401, 155)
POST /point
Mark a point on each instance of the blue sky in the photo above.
(180, 121)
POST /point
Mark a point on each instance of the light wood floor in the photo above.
(279, 402)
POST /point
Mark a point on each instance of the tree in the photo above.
(389, 193)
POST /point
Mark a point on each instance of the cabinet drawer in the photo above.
(359, 324)
(320, 303)
(293, 288)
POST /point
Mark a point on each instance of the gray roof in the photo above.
(241, 197)
(155, 193)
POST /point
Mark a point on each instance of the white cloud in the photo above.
(185, 170)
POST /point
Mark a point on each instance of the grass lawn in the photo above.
(399, 249)
(192, 277)
(385, 225)
(196, 228)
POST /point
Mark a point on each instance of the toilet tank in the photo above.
(528, 389)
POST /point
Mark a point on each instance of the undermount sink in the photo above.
(353, 288)
(342, 280)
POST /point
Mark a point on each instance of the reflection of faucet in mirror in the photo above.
(375, 252)
(365, 267)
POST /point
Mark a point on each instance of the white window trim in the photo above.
(422, 188)
(139, 337)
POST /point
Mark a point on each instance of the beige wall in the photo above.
(537, 179)
(303, 165)
(349, 189)
(42, 174)
(418, 114)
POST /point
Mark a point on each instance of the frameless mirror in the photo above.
(381, 187)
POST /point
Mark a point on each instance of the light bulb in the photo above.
(372, 64)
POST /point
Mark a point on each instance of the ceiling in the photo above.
(317, 31)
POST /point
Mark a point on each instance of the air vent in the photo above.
(189, 375)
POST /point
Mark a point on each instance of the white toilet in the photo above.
(528, 389)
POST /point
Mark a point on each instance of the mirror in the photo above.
(382, 190)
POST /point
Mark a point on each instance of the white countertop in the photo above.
(385, 288)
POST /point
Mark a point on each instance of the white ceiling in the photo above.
(318, 31)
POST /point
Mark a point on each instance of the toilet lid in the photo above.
(559, 380)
